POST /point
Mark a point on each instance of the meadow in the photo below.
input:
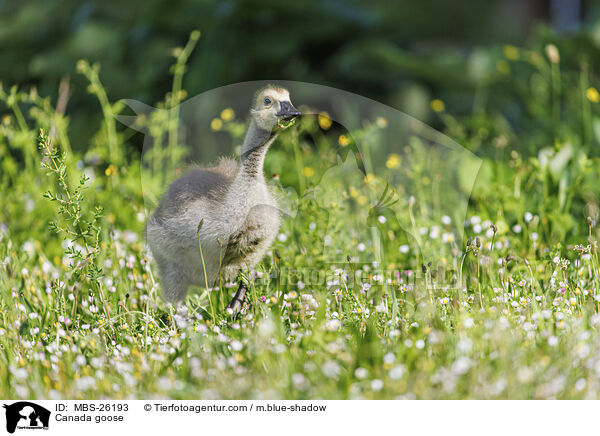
(507, 310)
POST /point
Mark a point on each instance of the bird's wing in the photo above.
(197, 183)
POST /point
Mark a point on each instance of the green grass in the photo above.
(510, 313)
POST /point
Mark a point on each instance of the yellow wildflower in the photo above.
(110, 170)
(592, 95)
(393, 161)
(216, 124)
(511, 52)
(437, 105)
(227, 114)
(324, 120)
(308, 172)
(381, 122)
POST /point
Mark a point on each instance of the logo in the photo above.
(26, 415)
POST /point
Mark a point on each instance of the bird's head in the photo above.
(272, 109)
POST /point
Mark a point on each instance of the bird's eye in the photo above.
(268, 101)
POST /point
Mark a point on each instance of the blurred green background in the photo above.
(401, 53)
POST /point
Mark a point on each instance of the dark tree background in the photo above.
(403, 53)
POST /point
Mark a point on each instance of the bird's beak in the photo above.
(287, 114)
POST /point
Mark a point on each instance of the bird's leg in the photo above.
(236, 302)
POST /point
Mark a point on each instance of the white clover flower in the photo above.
(465, 345)
(447, 237)
(164, 383)
(377, 385)
(279, 348)
(583, 350)
(580, 384)
(300, 382)
(331, 369)
(333, 325)
(20, 373)
(394, 333)
(396, 372)
(389, 358)
(361, 373)
(461, 365)
(524, 374)
(200, 328)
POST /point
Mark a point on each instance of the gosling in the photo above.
(227, 208)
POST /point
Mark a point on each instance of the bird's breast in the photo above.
(254, 237)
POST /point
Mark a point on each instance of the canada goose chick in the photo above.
(240, 217)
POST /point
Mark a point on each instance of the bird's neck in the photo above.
(255, 148)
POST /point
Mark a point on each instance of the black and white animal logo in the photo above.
(26, 415)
